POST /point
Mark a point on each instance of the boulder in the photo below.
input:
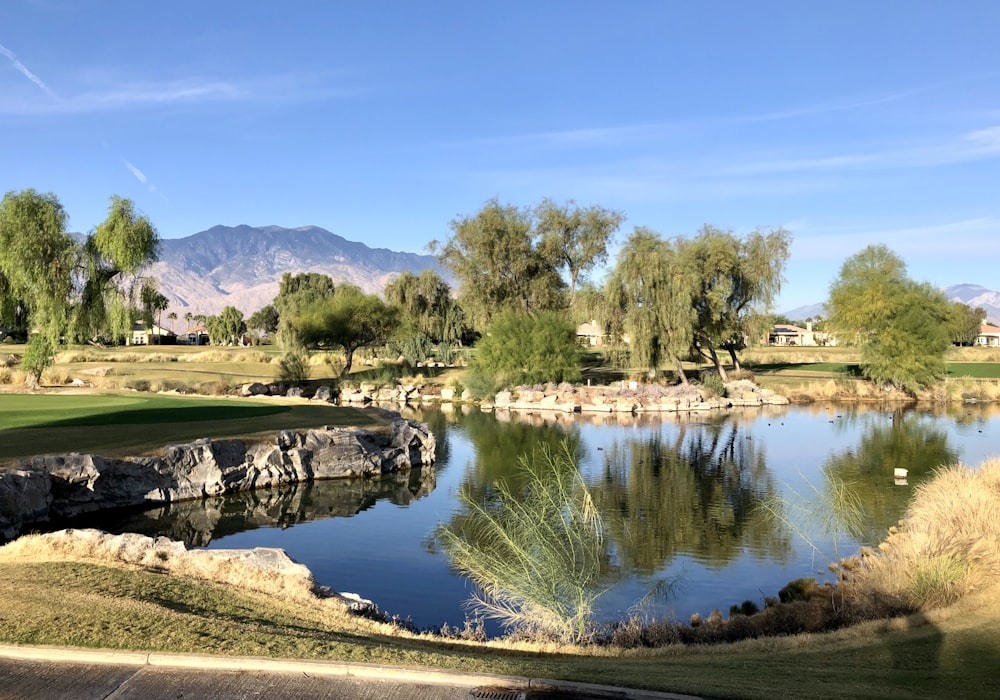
(323, 393)
(254, 389)
(68, 485)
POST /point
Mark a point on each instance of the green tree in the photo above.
(153, 304)
(738, 279)
(36, 264)
(902, 326)
(264, 320)
(172, 316)
(495, 256)
(296, 293)
(109, 274)
(529, 349)
(650, 299)
(576, 238)
(965, 322)
(227, 328)
(425, 300)
(348, 318)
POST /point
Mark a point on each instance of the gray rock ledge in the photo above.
(37, 489)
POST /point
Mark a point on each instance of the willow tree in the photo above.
(738, 279)
(426, 304)
(496, 257)
(576, 238)
(36, 265)
(902, 326)
(649, 297)
(295, 294)
(109, 275)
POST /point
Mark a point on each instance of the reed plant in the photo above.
(948, 544)
(537, 554)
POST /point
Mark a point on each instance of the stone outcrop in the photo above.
(63, 486)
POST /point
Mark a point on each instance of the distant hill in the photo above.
(242, 266)
(974, 295)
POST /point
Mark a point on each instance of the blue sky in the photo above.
(848, 123)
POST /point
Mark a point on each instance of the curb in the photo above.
(398, 674)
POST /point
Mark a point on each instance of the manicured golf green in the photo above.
(125, 424)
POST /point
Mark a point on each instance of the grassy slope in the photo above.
(138, 423)
(953, 653)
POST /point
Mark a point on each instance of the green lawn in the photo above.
(953, 655)
(114, 424)
(976, 370)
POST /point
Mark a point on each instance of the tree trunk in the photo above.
(348, 361)
(736, 362)
(717, 362)
(680, 371)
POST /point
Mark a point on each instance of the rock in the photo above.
(323, 393)
(68, 485)
(294, 392)
(466, 395)
(447, 394)
(254, 389)
(503, 399)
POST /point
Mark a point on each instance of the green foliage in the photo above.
(413, 346)
(293, 367)
(529, 349)
(537, 554)
(264, 320)
(425, 301)
(495, 255)
(903, 326)
(964, 322)
(576, 239)
(38, 356)
(227, 328)
(712, 383)
(481, 385)
(296, 293)
(349, 319)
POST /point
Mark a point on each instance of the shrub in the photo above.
(538, 554)
(293, 368)
(712, 383)
(529, 349)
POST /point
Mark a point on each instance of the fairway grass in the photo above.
(951, 653)
(134, 424)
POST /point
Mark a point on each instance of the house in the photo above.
(788, 334)
(154, 335)
(989, 336)
(197, 335)
(590, 334)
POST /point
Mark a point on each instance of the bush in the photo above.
(529, 349)
(293, 368)
(37, 357)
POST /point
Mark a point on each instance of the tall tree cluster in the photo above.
(680, 297)
(903, 327)
(54, 287)
(514, 258)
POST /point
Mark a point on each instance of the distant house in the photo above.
(788, 334)
(197, 335)
(989, 336)
(590, 334)
(154, 335)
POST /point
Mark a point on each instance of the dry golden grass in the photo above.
(947, 546)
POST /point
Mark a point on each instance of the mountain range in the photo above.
(242, 266)
(974, 295)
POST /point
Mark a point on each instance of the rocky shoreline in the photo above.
(38, 489)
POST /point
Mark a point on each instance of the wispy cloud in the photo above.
(23, 69)
(967, 239)
(139, 175)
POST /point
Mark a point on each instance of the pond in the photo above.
(682, 496)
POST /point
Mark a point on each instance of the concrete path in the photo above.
(57, 673)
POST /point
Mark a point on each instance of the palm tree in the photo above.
(187, 317)
(172, 316)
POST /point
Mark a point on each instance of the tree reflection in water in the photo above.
(696, 495)
(910, 440)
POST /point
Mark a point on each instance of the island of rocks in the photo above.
(38, 489)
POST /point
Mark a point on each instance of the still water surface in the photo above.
(681, 496)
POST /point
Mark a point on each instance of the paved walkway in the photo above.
(55, 673)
